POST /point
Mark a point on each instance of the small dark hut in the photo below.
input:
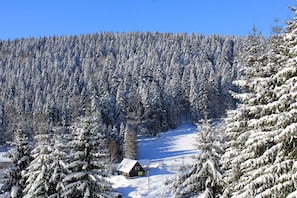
(130, 168)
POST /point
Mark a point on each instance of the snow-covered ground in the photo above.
(166, 154)
(3, 157)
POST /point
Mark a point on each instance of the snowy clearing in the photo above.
(3, 157)
(3, 154)
(166, 154)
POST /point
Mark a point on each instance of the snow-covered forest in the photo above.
(149, 79)
(116, 86)
(82, 101)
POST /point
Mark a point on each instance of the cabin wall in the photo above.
(137, 170)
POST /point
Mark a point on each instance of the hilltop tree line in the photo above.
(133, 83)
(149, 81)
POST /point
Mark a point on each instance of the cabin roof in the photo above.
(126, 165)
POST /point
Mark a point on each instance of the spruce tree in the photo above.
(266, 143)
(236, 128)
(57, 165)
(86, 162)
(38, 172)
(21, 158)
(204, 177)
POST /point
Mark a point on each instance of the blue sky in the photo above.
(35, 18)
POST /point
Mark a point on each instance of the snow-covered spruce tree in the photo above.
(236, 123)
(268, 141)
(21, 158)
(172, 99)
(86, 162)
(204, 177)
(57, 163)
(152, 117)
(294, 178)
(38, 172)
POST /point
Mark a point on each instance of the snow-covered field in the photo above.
(166, 154)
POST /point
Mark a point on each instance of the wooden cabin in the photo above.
(130, 168)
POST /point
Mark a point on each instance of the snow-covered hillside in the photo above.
(166, 154)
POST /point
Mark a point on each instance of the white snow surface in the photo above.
(166, 154)
(4, 158)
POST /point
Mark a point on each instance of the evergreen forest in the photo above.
(73, 105)
(151, 81)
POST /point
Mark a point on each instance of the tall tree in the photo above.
(38, 173)
(130, 142)
(266, 140)
(21, 158)
(204, 177)
(87, 162)
(58, 156)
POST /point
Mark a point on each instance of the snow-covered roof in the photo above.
(126, 165)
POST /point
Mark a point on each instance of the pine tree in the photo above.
(204, 177)
(237, 120)
(266, 142)
(38, 172)
(57, 166)
(86, 162)
(20, 156)
(193, 95)
(172, 99)
(294, 178)
(152, 118)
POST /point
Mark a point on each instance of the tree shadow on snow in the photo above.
(125, 191)
(156, 148)
(157, 171)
